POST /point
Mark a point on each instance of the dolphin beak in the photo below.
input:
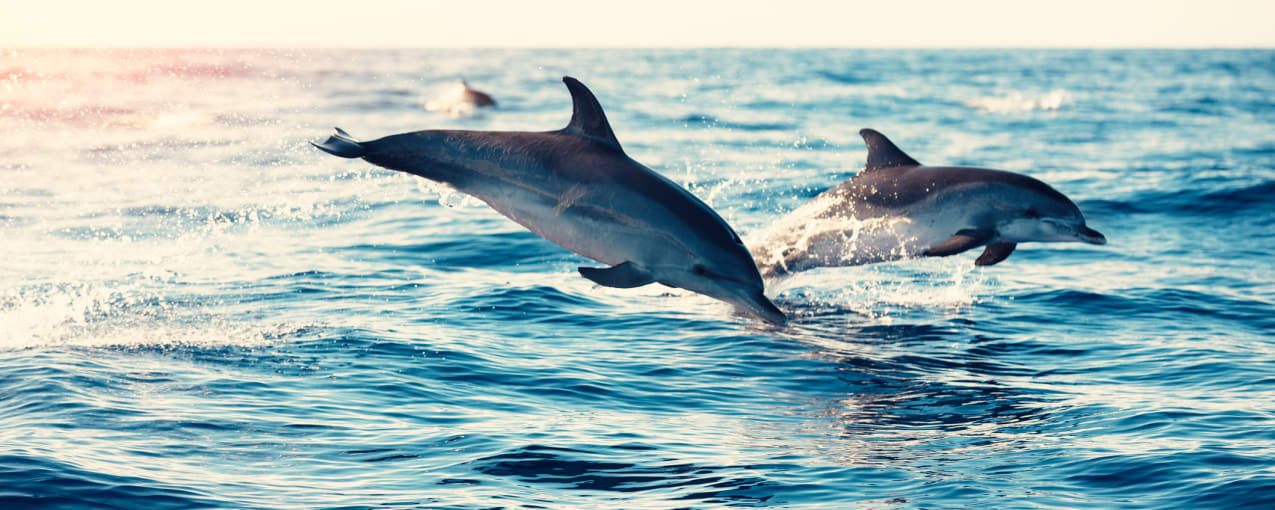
(759, 306)
(1090, 235)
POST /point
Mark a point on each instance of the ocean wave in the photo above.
(710, 121)
(849, 78)
(619, 469)
(511, 251)
(1191, 202)
(524, 302)
(32, 481)
(1172, 479)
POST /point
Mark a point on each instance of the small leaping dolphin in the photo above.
(898, 208)
(577, 188)
(460, 99)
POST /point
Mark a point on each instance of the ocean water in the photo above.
(199, 310)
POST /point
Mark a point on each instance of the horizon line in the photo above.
(619, 47)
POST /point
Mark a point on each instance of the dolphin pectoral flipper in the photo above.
(994, 253)
(341, 144)
(622, 276)
(963, 240)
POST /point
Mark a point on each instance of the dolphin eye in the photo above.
(1032, 213)
(699, 270)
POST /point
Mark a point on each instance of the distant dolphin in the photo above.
(460, 99)
(897, 208)
(577, 188)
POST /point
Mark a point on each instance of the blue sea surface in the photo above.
(200, 310)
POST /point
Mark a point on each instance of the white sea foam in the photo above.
(1016, 101)
(129, 314)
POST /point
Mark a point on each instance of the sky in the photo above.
(639, 23)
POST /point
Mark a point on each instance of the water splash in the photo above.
(883, 293)
(818, 234)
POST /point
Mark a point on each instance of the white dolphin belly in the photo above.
(569, 220)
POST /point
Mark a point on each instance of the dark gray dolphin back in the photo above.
(882, 153)
(588, 121)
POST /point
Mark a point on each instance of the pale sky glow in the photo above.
(649, 23)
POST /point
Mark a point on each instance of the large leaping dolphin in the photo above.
(898, 208)
(578, 189)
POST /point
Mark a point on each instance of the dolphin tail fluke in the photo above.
(341, 144)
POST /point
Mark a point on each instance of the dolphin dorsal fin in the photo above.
(587, 118)
(882, 153)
